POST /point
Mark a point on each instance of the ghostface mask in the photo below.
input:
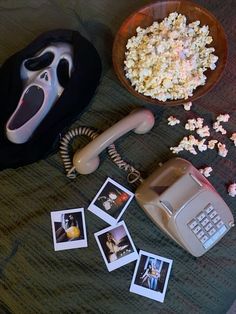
(44, 76)
(44, 88)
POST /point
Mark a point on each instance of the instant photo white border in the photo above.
(146, 292)
(101, 213)
(122, 260)
(68, 245)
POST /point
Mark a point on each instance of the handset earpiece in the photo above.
(87, 160)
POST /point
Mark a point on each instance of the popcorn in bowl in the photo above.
(167, 60)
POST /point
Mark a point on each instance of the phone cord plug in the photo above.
(134, 176)
(65, 144)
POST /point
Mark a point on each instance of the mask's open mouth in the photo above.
(31, 101)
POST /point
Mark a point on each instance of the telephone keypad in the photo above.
(207, 226)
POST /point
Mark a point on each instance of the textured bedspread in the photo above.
(36, 279)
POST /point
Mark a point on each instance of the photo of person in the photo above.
(116, 246)
(111, 201)
(152, 273)
(151, 276)
(115, 249)
(69, 229)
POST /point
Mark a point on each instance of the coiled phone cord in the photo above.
(65, 144)
(133, 174)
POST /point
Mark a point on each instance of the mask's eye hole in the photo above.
(63, 72)
(39, 62)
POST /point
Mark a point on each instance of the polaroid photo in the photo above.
(116, 246)
(111, 201)
(151, 276)
(69, 229)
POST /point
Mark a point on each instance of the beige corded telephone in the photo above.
(177, 197)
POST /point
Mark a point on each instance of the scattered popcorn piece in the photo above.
(199, 123)
(216, 125)
(233, 138)
(176, 149)
(201, 146)
(212, 143)
(192, 140)
(190, 125)
(187, 106)
(204, 131)
(218, 128)
(206, 171)
(173, 121)
(187, 143)
(222, 150)
(232, 189)
(193, 124)
(193, 151)
(223, 117)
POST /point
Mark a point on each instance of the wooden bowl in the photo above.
(157, 11)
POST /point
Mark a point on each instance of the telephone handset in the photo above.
(177, 197)
(86, 160)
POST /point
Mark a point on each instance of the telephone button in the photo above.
(212, 231)
(208, 243)
(215, 237)
(192, 224)
(220, 223)
(200, 234)
(198, 228)
(204, 222)
(221, 231)
(209, 208)
(208, 227)
(204, 239)
(216, 219)
(213, 214)
(201, 216)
